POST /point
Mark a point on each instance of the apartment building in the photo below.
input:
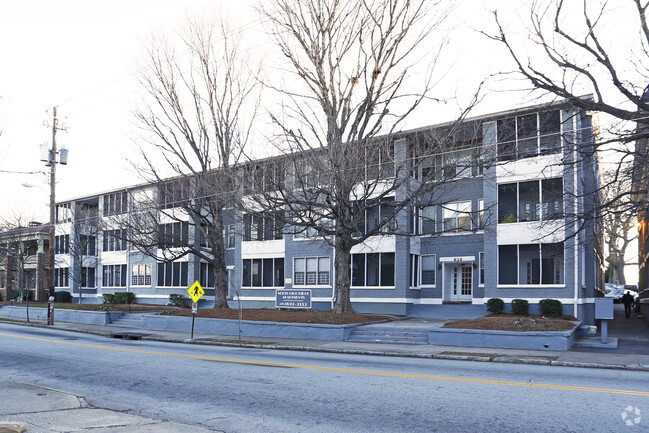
(514, 218)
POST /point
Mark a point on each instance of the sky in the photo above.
(82, 56)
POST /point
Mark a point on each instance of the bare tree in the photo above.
(342, 161)
(618, 225)
(570, 54)
(197, 120)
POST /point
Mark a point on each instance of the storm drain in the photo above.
(128, 335)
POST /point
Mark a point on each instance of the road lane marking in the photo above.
(341, 370)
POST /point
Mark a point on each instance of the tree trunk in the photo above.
(220, 283)
(342, 249)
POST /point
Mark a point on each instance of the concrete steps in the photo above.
(387, 335)
(127, 320)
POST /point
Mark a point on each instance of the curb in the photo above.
(497, 359)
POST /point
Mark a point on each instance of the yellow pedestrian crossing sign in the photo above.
(196, 291)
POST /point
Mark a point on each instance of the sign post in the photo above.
(195, 292)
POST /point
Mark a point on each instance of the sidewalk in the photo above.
(46, 410)
(634, 356)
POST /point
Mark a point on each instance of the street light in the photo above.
(49, 157)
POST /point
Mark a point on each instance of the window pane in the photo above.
(176, 274)
(279, 273)
(298, 271)
(507, 203)
(527, 136)
(507, 264)
(358, 269)
(387, 269)
(256, 272)
(372, 220)
(323, 270)
(246, 273)
(530, 264)
(311, 270)
(428, 218)
(550, 128)
(529, 201)
(552, 191)
(184, 266)
(481, 255)
(268, 273)
(552, 263)
(428, 270)
(506, 139)
(372, 269)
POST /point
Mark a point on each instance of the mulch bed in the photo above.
(510, 322)
(296, 316)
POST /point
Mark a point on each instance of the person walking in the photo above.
(627, 300)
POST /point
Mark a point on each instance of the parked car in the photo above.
(609, 287)
(616, 294)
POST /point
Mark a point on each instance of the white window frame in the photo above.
(456, 210)
(318, 271)
(136, 274)
(421, 271)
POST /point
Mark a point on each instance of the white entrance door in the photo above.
(461, 283)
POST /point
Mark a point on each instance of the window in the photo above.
(457, 216)
(480, 222)
(414, 271)
(116, 203)
(311, 271)
(114, 276)
(232, 236)
(257, 228)
(531, 264)
(63, 213)
(87, 277)
(173, 235)
(427, 220)
(141, 275)
(62, 244)
(114, 240)
(263, 272)
(552, 198)
(87, 245)
(61, 277)
(529, 135)
(266, 177)
(481, 276)
(172, 274)
(174, 194)
(428, 270)
(530, 201)
(372, 270)
(206, 277)
(379, 216)
(379, 159)
(457, 164)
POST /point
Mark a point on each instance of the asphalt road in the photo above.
(251, 390)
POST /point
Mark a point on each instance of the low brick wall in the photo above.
(503, 339)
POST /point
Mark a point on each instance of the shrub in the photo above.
(14, 295)
(495, 305)
(63, 296)
(109, 298)
(124, 297)
(179, 300)
(520, 307)
(551, 307)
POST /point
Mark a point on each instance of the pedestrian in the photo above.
(627, 300)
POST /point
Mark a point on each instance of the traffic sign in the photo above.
(194, 308)
(196, 291)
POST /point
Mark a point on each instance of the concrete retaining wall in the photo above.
(75, 316)
(248, 328)
(503, 339)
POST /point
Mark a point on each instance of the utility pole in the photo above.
(52, 161)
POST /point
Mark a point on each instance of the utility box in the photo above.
(604, 308)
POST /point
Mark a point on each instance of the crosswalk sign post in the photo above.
(195, 292)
